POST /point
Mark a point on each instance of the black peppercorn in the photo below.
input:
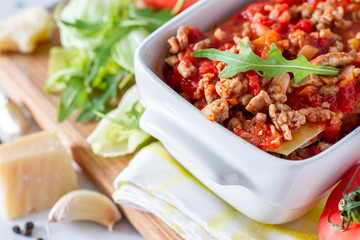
(29, 225)
(16, 229)
(28, 232)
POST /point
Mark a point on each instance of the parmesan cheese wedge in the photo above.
(300, 137)
(25, 30)
(35, 171)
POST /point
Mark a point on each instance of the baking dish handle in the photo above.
(199, 160)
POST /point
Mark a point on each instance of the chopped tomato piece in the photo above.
(254, 82)
(208, 67)
(250, 11)
(195, 35)
(305, 25)
(347, 96)
(331, 132)
(290, 2)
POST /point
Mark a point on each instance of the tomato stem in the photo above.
(349, 207)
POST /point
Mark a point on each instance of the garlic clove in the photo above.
(13, 120)
(85, 205)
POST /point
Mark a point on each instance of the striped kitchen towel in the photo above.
(156, 183)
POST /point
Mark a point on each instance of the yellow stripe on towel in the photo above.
(157, 148)
(241, 235)
(167, 210)
(218, 222)
(281, 229)
(172, 181)
(175, 227)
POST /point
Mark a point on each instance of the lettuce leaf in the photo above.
(124, 50)
(63, 65)
(99, 39)
(118, 133)
(83, 23)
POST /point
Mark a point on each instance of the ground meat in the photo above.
(172, 60)
(217, 111)
(304, 10)
(279, 98)
(259, 102)
(186, 71)
(297, 38)
(277, 137)
(174, 47)
(327, 14)
(259, 118)
(203, 83)
(246, 32)
(245, 99)
(329, 90)
(338, 47)
(335, 59)
(237, 48)
(356, 72)
(219, 34)
(230, 87)
(182, 37)
(249, 137)
(323, 20)
(202, 44)
(209, 93)
(329, 35)
(285, 119)
(317, 114)
(311, 80)
(237, 121)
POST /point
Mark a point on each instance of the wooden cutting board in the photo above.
(23, 77)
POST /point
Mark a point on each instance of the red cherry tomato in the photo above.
(327, 231)
(169, 3)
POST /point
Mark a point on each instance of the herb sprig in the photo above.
(274, 65)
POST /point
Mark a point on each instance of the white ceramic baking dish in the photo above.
(261, 186)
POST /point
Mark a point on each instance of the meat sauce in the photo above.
(258, 109)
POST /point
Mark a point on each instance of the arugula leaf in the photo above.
(73, 97)
(98, 103)
(86, 29)
(80, 24)
(274, 65)
(102, 54)
(153, 19)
